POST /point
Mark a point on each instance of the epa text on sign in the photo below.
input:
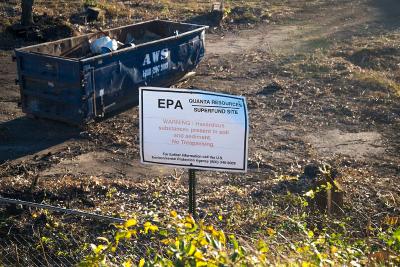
(193, 129)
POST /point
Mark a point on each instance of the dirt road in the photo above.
(307, 104)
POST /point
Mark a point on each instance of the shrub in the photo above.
(185, 242)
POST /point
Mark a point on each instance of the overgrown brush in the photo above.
(186, 242)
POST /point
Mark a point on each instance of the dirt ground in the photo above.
(319, 86)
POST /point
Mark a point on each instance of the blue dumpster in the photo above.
(63, 80)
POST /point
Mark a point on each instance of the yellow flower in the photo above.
(128, 263)
(271, 232)
(130, 223)
(334, 249)
(198, 255)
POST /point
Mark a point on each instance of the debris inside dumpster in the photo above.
(103, 45)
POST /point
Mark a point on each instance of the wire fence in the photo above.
(34, 250)
(43, 236)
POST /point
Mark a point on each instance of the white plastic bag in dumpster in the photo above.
(103, 44)
(112, 45)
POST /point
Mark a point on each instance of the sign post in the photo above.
(193, 129)
(192, 192)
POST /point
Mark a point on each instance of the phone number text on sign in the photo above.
(193, 129)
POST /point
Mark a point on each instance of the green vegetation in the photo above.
(306, 233)
(186, 242)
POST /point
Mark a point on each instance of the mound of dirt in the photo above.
(380, 59)
(245, 14)
(45, 28)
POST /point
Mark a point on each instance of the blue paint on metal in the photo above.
(79, 90)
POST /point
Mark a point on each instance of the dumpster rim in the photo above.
(113, 53)
(199, 28)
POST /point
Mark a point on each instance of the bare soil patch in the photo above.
(358, 146)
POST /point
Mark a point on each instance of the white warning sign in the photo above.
(193, 129)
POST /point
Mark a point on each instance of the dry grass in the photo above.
(250, 11)
(377, 61)
(375, 80)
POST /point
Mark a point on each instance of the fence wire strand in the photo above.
(26, 240)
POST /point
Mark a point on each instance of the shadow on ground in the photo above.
(390, 12)
(24, 136)
(212, 19)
